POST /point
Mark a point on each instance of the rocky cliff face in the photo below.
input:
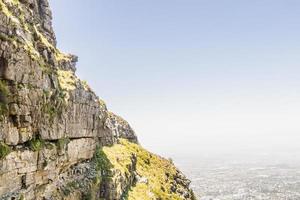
(57, 138)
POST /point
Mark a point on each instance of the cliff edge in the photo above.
(57, 138)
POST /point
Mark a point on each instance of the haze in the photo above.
(192, 76)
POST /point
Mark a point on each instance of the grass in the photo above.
(4, 150)
(158, 171)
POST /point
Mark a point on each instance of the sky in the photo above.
(192, 76)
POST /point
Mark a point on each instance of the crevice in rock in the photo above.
(23, 182)
(3, 67)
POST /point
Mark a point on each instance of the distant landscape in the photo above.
(261, 177)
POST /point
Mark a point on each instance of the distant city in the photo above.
(223, 180)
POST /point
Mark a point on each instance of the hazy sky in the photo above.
(192, 76)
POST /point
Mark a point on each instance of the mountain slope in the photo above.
(57, 138)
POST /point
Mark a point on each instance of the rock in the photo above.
(81, 149)
(142, 180)
(120, 128)
(11, 136)
(52, 123)
(10, 182)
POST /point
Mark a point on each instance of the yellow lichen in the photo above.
(66, 79)
(23, 130)
(13, 2)
(19, 21)
(85, 85)
(67, 82)
(42, 38)
(58, 55)
(29, 47)
(102, 104)
(7, 12)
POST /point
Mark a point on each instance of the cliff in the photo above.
(57, 138)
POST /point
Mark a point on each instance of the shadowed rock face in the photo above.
(3, 67)
(51, 122)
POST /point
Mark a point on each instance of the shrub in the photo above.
(102, 162)
(4, 150)
(36, 144)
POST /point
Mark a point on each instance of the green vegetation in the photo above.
(158, 171)
(4, 92)
(3, 110)
(54, 104)
(4, 150)
(62, 143)
(22, 197)
(58, 55)
(67, 82)
(85, 85)
(20, 22)
(36, 144)
(50, 110)
(50, 145)
(92, 192)
(102, 104)
(13, 10)
(69, 187)
(103, 168)
(5, 10)
(66, 79)
(59, 99)
(103, 164)
(4, 88)
(12, 39)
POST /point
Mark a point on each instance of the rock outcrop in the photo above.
(57, 138)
